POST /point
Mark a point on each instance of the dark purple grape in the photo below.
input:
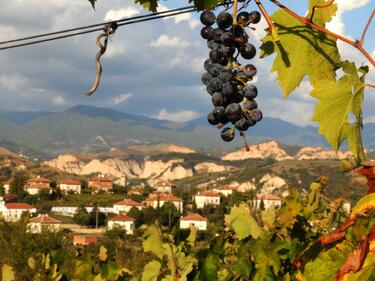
(236, 97)
(213, 45)
(219, 113)
(250, 70)
(256, 115)
(250, 92)
(229, 88)
(227, 134)
(224, 61)
(208, 18)
(216, 56)
(243, 18)
(233, 112)
(227, 51)
(248, 51)
(218, 33)
(215, 69)
(207, 33)
(218, 99)
(242, 124)
(215, 85)
(238, 31)
(254, 17)
(206, 78)
(226, 75)
(224, 20)
(208, 64)
(212, 119)
(227, 39)
(251, 104)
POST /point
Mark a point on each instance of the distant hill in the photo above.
(92, 129)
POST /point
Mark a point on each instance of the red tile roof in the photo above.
(8, 182)
(165, 197)
(225, 187)
(136, 191)
(84, 240)
(102, 179)
(193, 217)
(37, 186)
(18, 206)
(208, 194)
(128, 202)
(122, 217)
(44, 219)
(38, 179)
(70, 182)
(267, 197)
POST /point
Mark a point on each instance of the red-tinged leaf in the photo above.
(354, 261)
(337, 234)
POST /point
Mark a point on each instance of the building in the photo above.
(155, 200)
(123, 222)
(6, 185)
(67, 186)
(268, 200)
(125, 206)
(101, 183)
(193, 219)
(12, 212)
(225, 190)
(165, 187)
(43, 223)
(35, 185)
(84, 240)
(206, 198)
(136, 191)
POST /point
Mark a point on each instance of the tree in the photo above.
(137, 215)
(18, 183)
(81, 216)
(96, 218)
(169, 214)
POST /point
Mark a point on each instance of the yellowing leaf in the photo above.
(153, 241)
(103, 253)
(151, 271)
(301, 51)
(243, 223)
(338, 100)
(365, 203)
(7, 273)
(322, 15)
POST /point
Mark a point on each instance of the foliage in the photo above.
(82, 217)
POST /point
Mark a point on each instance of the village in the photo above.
(118, 214)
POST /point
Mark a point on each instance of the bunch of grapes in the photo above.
(226, 80)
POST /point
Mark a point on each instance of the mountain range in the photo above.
(88, 128)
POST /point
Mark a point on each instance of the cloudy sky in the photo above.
(151, 68)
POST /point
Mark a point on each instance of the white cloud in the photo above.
(121, 13)
(121, 98)
(169, 41)
(178, 116)
(193, 23)
(58, 101)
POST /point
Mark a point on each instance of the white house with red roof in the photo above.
(101, 183)
(268, 200)
(67, 186)
(159, 199)
(225, 190)
(35, 185)
(43, 223)
(195, 220)
(136, 191)
(123, 222)
(165, 187)
(12, 212)
(125, 206)
(206, 198)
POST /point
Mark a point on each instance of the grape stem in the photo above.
(234, 14)
(317, 6)
(356, 44)
(369, 85)
(366, 27)
(268, 19)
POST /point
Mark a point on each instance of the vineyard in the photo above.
(307, 238)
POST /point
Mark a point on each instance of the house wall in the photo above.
(40, 227)
(70, 187)
(200, 201)
(128, 226)
(200, 225)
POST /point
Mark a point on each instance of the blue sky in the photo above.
(152, 68)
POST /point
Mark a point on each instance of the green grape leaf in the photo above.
(7, 273)
(209, 270)
(268, 217)
(151, 271)
(192, 235)
(301, 51)
(267, 262)
(325, 265)
(243, 224)
(185, 265)
(337, 100)
(287, 214)
(365, 203)
(153, 241)
(322, 15)
(150, 5)
(206, 4)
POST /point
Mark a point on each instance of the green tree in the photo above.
(137, 215)
(81, 216)
(18, 183)
(169, 214)
(96, 218)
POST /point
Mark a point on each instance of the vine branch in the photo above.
(267, 17)
(356, 44)
(317, 6)
(366, 27)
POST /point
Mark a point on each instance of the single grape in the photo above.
(214, 85)
(207, 33)
(242, 124)
(227, 51)
(227, 134)
(215, 69)
(243, 18)
(233, 112)
(206, 78)
(227, 39)
(208, 64)
(254, 17)
(256, 115)
(251, 104)
(224, 20)
(229, 88)
(213, 45)
(224, 61)
(250, 70)
(226, 75)
(216, 56)
(219, 113)
(217, 34)
(238, 31)
(237, 97)
(218, 99)
(208, 18)
(248, 51)
(250, 92)
(212, 119)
